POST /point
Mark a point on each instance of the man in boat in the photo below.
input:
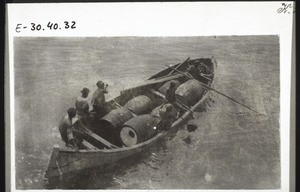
(98, 100)
(171, 98)
(205, 71)
(170, 93)
(167, 114)
(199, 71)
(193, 70)
(66, 128)
(82, 105)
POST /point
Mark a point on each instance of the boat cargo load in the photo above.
(138, 129)
(139, 105)
(189, 92)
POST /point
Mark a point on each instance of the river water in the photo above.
(233, 148)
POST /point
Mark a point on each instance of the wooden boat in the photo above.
(100, 150)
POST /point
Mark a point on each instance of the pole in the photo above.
(179, 65)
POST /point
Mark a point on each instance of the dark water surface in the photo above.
(233, 148)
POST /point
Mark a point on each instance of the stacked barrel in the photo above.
(132, 123)
(136, 121)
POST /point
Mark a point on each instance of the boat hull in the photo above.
(66, 163)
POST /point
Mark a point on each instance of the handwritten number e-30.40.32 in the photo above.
(53, 26)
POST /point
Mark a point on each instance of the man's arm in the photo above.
(105, 88)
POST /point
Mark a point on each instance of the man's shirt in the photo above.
(99, 98)
(82, 105)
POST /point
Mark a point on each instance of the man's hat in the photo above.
(85, 90)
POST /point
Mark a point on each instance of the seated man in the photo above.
(65, 128)
(204, 71)
(199, 71)
(167, 115)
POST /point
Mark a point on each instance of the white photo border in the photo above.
(164, 19)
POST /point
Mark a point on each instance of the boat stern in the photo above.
(53, 170)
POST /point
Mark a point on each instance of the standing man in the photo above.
(65, 128)
(98, 100)
(170, 98)
(170, 93)
(82, 105)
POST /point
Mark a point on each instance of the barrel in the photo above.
(108, 126)
(115, 118)
(138, 129)
(139, 105)
(190, 92)
(165, 86)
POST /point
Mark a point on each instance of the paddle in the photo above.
(210, 88)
